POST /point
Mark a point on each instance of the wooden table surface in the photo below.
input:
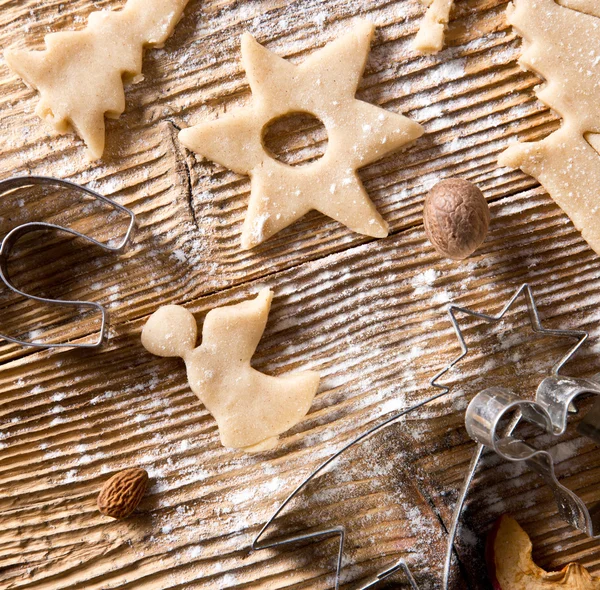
(369, 315)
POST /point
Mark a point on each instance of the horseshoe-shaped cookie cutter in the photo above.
(553, 403)
(13, 236)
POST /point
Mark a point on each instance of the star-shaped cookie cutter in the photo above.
(359, 133)
(339, 530)
(13, 236)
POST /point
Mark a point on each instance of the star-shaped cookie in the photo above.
(324, 85)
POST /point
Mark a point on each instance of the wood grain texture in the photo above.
(369, 315)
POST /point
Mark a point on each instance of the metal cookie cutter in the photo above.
(339, 531)
(15, 234)
(553, 402)
(534, 317)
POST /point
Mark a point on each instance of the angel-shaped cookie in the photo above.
(251, 408)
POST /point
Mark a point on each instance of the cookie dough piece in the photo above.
(250, 408)
(563, 46)
(359, 133)
(80, 73)
(430, 38)
(587, 6)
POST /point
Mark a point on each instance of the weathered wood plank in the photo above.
(472, 100)
(368, 315)
(371, 319)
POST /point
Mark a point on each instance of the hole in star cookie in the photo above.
(295, 139)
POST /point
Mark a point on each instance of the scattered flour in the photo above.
(424, 281)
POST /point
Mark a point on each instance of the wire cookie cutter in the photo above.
(339, 530)
(554, 401)
(15, 234)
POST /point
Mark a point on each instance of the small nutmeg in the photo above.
(122, 493)
(456, 217)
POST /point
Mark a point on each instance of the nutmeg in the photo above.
(456, 217)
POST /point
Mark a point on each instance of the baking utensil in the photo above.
(13, 236)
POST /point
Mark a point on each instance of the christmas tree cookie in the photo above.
(562, 44)
(80, 73)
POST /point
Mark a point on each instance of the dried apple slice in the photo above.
(511, 567)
